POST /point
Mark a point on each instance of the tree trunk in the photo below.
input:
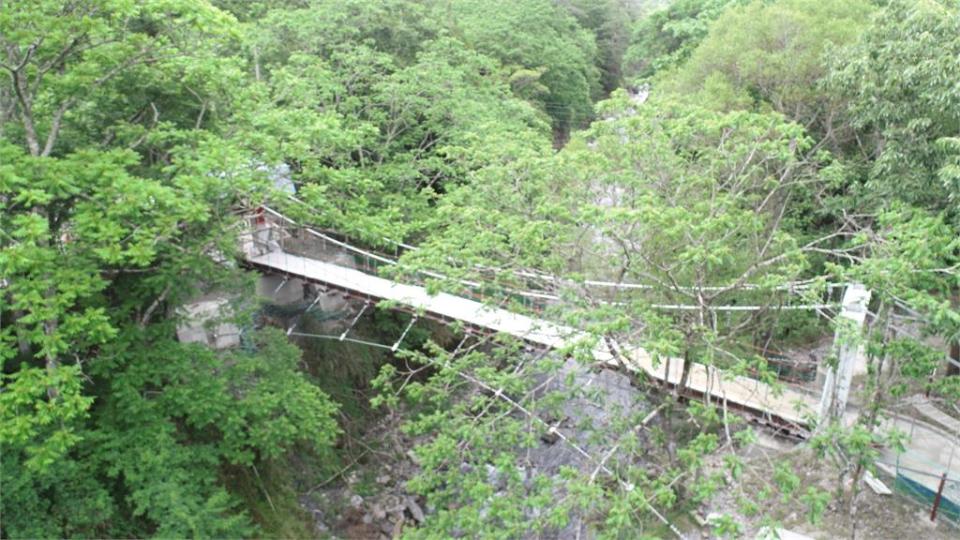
(872, 410)
(23, 342)
(666, 374)
(685, 375)
(53, 363)
(953, 369)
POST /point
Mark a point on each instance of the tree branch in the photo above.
(145, 319)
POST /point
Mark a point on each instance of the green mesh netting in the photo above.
(299, 309)
(949, 510)
(788, 370)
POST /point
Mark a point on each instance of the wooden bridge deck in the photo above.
(788, 410)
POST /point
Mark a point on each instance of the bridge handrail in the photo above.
(531, 295)
(533, 274)
(386, 260)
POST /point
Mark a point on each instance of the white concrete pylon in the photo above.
(850, 348)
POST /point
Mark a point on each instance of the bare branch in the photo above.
(153, 307)
(65, 106)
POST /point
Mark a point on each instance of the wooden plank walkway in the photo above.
(788, 408)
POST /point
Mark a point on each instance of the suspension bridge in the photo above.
(278, 245)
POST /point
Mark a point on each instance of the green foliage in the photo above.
(132, 132)
(909, 264)
(222, 408)
(610, 21)
(640, 179)
(117, 191)
(45, 430)
(816, 501)
(896, 79)
(535, 34)
(687, 141)
(786, 480)
(725, 526)
(167, 419)
(482, 461)
(774, 54)
(396, 112)
(466, 460)
(70, 62)
(665, 38)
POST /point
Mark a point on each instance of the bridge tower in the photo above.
(850, 353)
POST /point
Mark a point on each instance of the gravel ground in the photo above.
(878, 517)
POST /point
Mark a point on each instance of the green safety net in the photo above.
(949, 510)
(299, 309)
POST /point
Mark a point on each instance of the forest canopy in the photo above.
(714, 153)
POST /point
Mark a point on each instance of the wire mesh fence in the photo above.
(927, 472)
(270, 230)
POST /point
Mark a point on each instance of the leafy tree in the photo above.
(395, 122)
(774, 54)
(546, 55)
(665, 38)
(60, 60)
(696, 204)
(611, 22)
(908, 261)
(623, 203)
(117, 194)
(64, 59)
(896, 79)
